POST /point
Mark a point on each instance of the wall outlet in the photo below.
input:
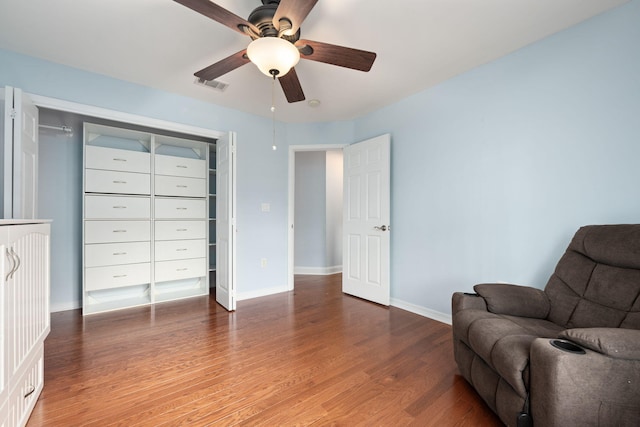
(263, 262)
(265, 207)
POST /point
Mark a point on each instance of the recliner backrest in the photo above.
(597, 281)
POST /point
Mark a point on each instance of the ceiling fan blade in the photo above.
(219, 14)
(336, 55)
(291, 86)
(230, 63)
(293, 10)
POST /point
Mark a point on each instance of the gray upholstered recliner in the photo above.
(590, 308)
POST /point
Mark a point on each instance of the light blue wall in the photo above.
(494, 170)
(310, 209)
(60, 199)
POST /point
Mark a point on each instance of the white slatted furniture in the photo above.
(24, 323)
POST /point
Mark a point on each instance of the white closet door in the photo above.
(6, 105)
(225, 223)
(25, 157)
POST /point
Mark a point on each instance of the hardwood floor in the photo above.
(312, 357)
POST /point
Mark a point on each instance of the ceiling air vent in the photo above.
(213, 84)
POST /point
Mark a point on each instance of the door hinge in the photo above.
(13, 113)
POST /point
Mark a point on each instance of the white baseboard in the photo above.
(321, 271)
(422, 311)
(64, 306)
(240, 296)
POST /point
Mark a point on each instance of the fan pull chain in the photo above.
(273, 111)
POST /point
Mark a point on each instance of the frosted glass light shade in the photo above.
(273, 53)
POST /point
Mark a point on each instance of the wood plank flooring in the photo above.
(312, 357)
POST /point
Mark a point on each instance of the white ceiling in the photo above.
(160, 43)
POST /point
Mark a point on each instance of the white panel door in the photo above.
(6, 97)
(225, 223)
(25, 157)
(366, 220)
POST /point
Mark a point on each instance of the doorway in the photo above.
(315, 210)
(366, 217)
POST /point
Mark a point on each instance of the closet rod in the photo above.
(63, 128)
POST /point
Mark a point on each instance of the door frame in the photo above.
(293, 149)
(135, 119)
(120, 116)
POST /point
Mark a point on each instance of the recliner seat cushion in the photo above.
(503, 342)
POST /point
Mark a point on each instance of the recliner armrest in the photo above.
(464, 301)
(614, 342)
(514, 300)
(582, 389)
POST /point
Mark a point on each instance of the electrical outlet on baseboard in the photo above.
(263, 262)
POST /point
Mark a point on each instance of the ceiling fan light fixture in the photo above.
(273, 56)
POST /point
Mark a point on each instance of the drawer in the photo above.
(168, 250)
(180, 186)
(101, 181)
(117, 207)
(181, 269)
(117, 160)
(116, 231)
(180, 208)
(176, 230)
(116, 276)
(26, 388)
(180, 166)
(116, 253)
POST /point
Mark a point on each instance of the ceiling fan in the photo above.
(276, 45)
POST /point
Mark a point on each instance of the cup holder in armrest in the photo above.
(567, 346)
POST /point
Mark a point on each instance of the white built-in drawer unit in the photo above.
(117, 207)
(167, 250)
(176, 230)
(117, 276)
(180, 269)
(180, 208)
(180, 166)
(145, 218)
(116, 231)
(115, 182)
(117, 160)
(180, 186)
(103, 254)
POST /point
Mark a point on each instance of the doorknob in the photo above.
(381, 227)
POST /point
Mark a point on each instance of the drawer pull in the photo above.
(119, 231)
(30, 391)
(119, 253)
(119, 182)
(181, 186)
(181, 249)
(181, 209)
(119, 207)
(181, 269)
(119, 276)
(181, 229)
(181, 166)
(116, 159)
